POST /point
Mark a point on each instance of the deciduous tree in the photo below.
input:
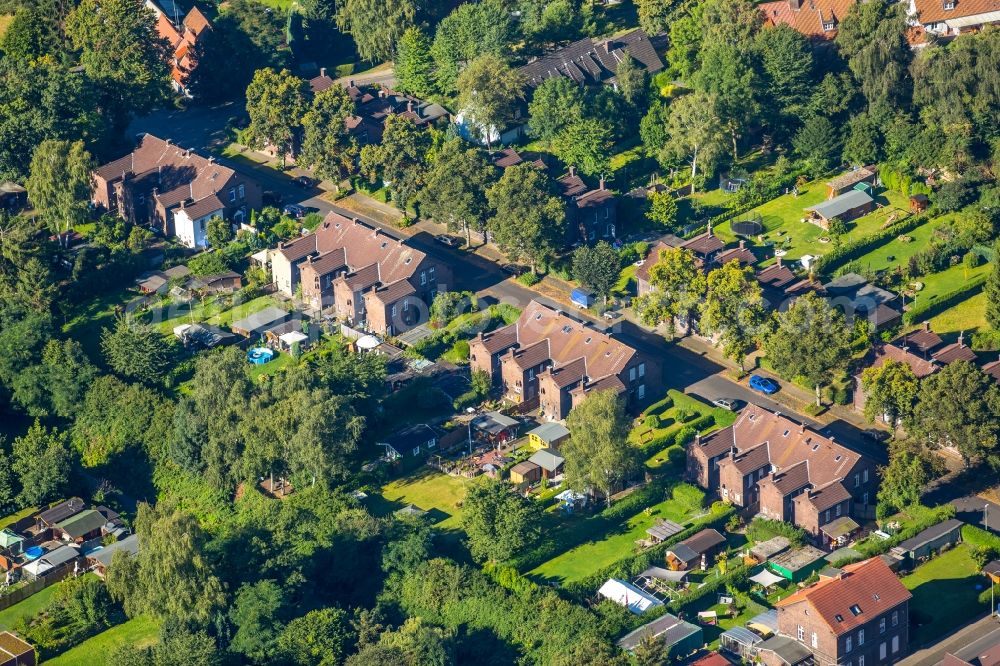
(455, 191)
(872, 37)
(734, 309)
(326, 144)
(400, 160)
(811, 340)
(276, 102)
(42, 463)
(471, 30)
(695, 135)
(992, 291)
(598, 454)
(319, 638)
(890, 391)
(528, 222)
(499, 523)
(911, 468)
(489, 92)
(597, 267)
(586, 144)
(678, 285)
(662, 209)
(376, 25)
(59, 184)
(414, 66)
(555, 104)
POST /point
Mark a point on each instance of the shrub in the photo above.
(688, 496)
(684, 436)
(684, 415)
(762, 529)
(973, 260)
(529, 279)
(652, 421)
(988, 340)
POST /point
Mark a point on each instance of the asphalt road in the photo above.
(967, 643)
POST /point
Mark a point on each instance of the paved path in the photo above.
(967, 643)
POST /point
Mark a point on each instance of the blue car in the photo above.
(764, 385)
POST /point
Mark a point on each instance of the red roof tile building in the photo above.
(816, 19)
(767, 463)
(184, 39)
(859, 616)
(949, 18)
(549, 360)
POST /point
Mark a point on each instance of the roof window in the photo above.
(587, 341)
(837, 459)
(785, 434)
(838, 618)
(567, 329)
(856, 609)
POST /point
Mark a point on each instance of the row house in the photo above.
(551, 361)
(769, 464)
(360, 274)
(817, 20)
(173, 189)
(855, 616)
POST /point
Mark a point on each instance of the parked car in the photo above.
(513, 269)
(726, 403)
(448, 241)
(271, 198)
(875, 435)
(294, 211)
(612, 315)
(305, 182)
(765, 385)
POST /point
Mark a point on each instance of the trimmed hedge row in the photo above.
(953, 297)
(850, 251)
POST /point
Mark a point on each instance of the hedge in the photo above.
(873, 546)
(953, 297)
(862, 246)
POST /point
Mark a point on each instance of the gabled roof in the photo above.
(259, 321)
(62, 511)
(742, 254)
(923, 339)
(704, 244)
(954, 352)
(851, 178)
(809, 17)
(863, 592)
(129, 544)
(704, 541)
(841, 204)
(590, 61)
(550, 431)
(933, 11)
(826, 496)
(82, 523)
(931, 533)
(920, 367)
(547, 459)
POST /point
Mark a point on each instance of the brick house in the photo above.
(883, 353)
(949, 18)
(184, 39)
(858, 616)
(816, 19)
(591, 214)
(362, 275)
(550, 360)
(173, 189)
(768, 464)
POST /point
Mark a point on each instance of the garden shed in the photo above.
(525, 472)
(548, 435)
(847, 206)
(797, 565)
(681, 638)
(628, 595)
(765, 550)
(931, 540)
(663, 530)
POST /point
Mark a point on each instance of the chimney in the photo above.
(961, 339)
(572, 171)
(743, 244)
(409, 106)
(602, 182)
(211, 159)
(795, 4)
(778, 260)
(710, 227)
(322, 71)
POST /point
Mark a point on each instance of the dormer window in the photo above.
(828, 26)
(949, 4)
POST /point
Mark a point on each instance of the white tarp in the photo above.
(628, 595)
(290, 338)
(766, 578)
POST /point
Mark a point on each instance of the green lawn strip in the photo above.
(944, 594)
(900, 251)
(95, 651)
(969, 316)
(27, 608)
(712, 634)
(626, 276)
(946, 281)
(609, 546)
(427, 489)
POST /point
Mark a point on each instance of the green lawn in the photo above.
(139, 632)
(609, 547)
(944, 595)
(783, 225)
(427, 489)
(27, 608)
(900, 251)
(968, 316)
(668, 410)
(14, 517)
(88, 319)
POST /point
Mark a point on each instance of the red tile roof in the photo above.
(704, 244)
(742, 254)
(954, 352)
(826, 497)
(809, 18)
(933, 11)
(869, 587)
(920, 367)
(923, 339)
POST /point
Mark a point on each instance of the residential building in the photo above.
(184, 37)
(591, 214)
(857, 297)
(548, 360)
(593, 62)
(976, 653)
(816, 19)
(949, 18)
(769, 464)
(174, 190)
(882, 354)
(857, 616)
(371, 280)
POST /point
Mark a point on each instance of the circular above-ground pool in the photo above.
(34, 552)
(260, 355)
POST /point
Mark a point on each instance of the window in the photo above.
(430, 272)
(815, 640)
(406, 304)
(881, 650)
(838, 511)
(838, 617)
(861, 637)
(848, 644)
(430, 444)
(392, 312)
(861, 660)
(828, 26)
(642, 369)
(416, 450)
(641, 393)
(142, 199)
(827, 515)
(857, 480)
(423, 278)
(949, 4)
(865, 476)
(243, 191)
(881, 628)
(531, 374)
(895, 644)
(801, 633)
(232, 194)
(631, 374)
(856, 610)
(895, 619)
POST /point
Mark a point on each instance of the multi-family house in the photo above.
(949, 18)
(174, 189)
(855, 616)
(816, 19)
(549, 360)
(591, 214)
(362, 275)
(769, 464)
(184, 37)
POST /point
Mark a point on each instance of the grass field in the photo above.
(27, 608)
(783, 225)
(590, 557)
(138, 632)
(946, 281)
(88, 319)
(968, 316)
(427, 489)
(878, 259)
(944, 595)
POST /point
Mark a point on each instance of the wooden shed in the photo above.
(525, 472)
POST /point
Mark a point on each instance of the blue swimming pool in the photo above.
(260, 355)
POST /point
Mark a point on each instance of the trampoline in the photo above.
(260, 355)
(34, 552)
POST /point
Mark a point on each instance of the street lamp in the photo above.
(470, 411)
